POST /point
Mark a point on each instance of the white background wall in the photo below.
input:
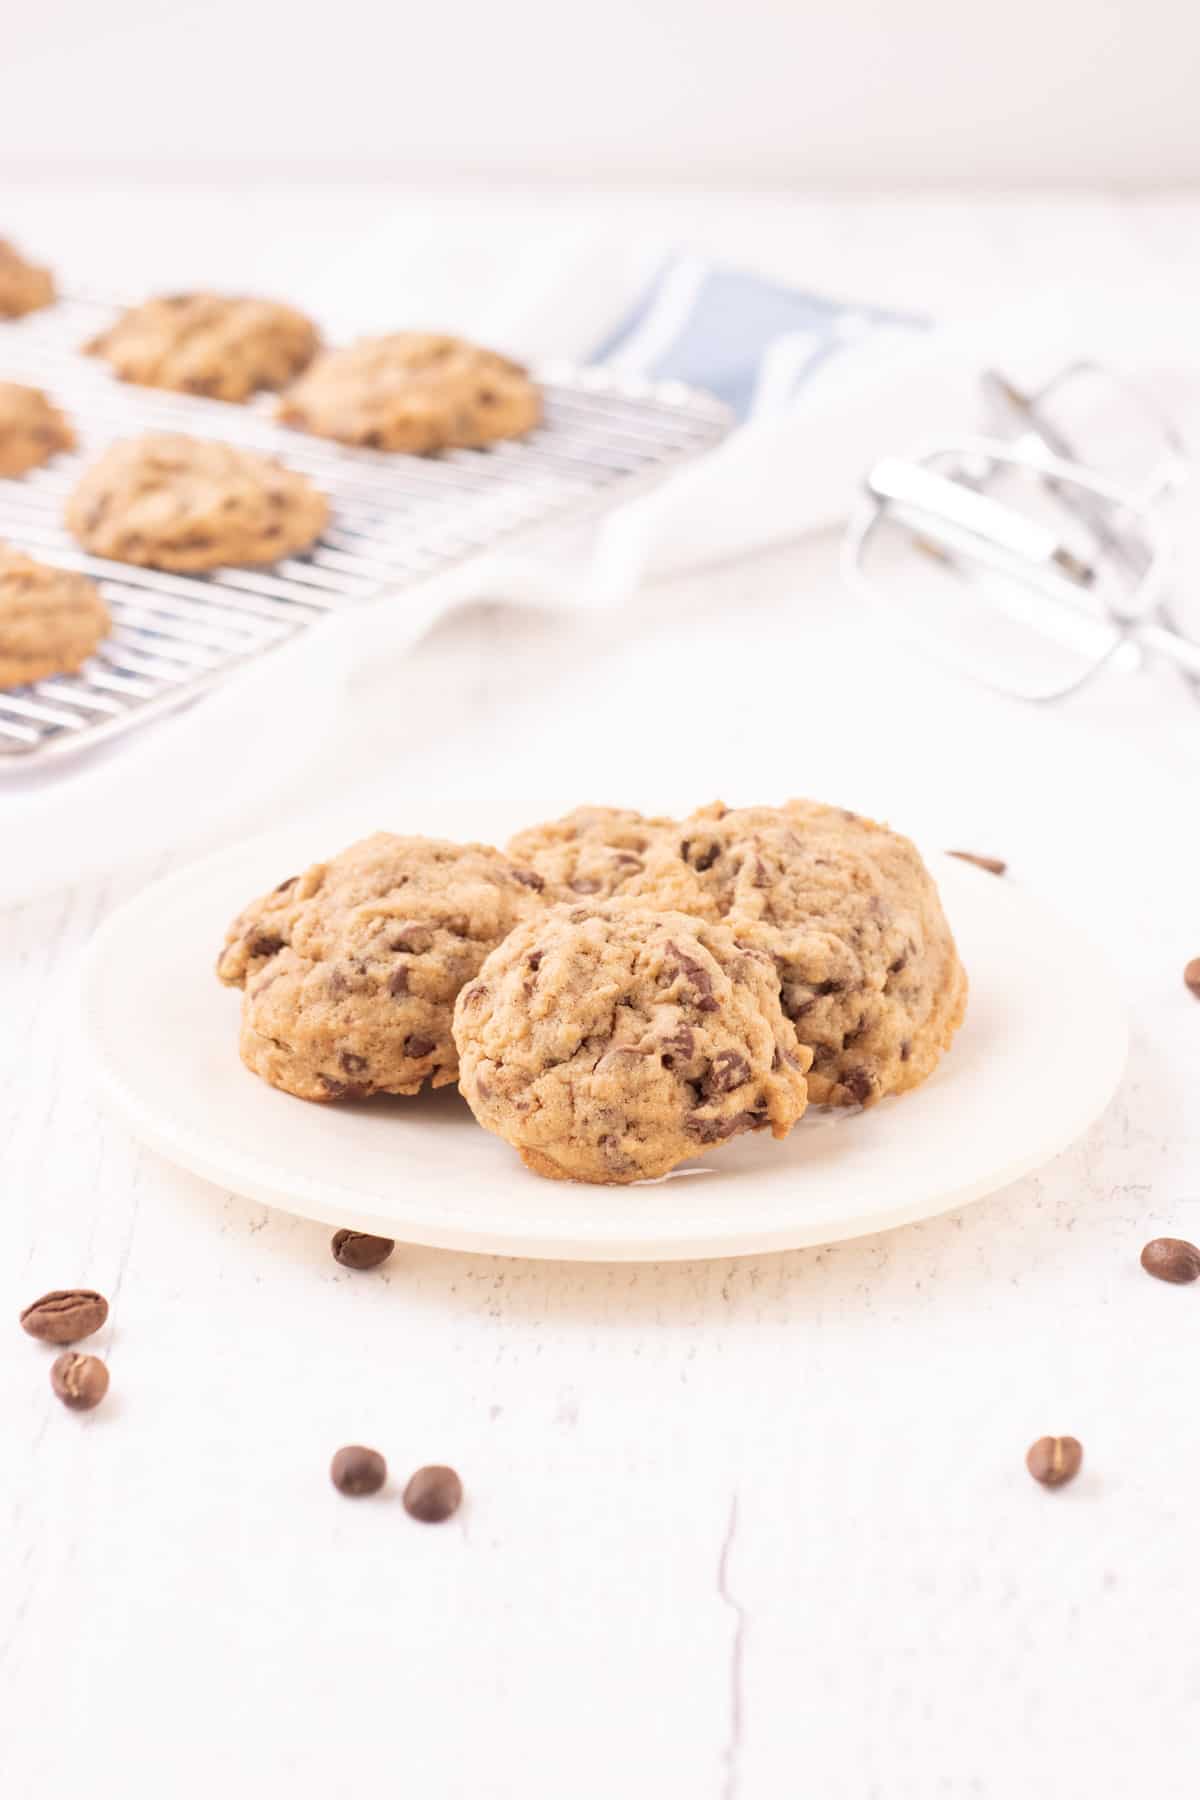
(817, 93)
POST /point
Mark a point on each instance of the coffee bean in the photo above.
(80, 1382)
(65, 1315)
(1192, 976)
(433, 1494)
(1171, 1259)
(1054, 1460)
(359, 1250)
(357, 1471)
(992, 864)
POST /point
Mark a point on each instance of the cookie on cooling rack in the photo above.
(173, 502)
(868, 970)
(51, 620)
(24, 287)
(608, 1043)
(415, 391)
(32, 429)
(351, 970)
(214, 344)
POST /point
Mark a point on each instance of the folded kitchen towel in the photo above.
(752, 343)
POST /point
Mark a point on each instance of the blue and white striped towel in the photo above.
(751, 342)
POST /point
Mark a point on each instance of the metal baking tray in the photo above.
(396, 520)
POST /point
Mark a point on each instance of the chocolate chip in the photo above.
(905, 1050)
(528, 878)
(472, 996)
(900, 963)
(1054, 1460)
(353, 1065)
(992, 864)
(337, 985)
(433, 1494)
(264, 943)
(356, 1471)
(285, 885)
(1171, 1259)
(343, 1090)
(727, 1071)
(702, 857)
(1192, 976)
(828, 987)
(858, 1083)
(699, 977)
(359, 1250)
(610, 1149)
(80, 1382)
(419, 1046)
(681, 1046)
(398, 983)
(414, 940)
(715, 1131)
(65, 1315)
(533, 961)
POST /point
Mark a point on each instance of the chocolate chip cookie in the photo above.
(50, 619)
(172, 502)
(414, 391)
(609, 852)
(869, 974)
(24, 287)
(608, 1043)
(351, 970)
(211, 344)
(32, 429)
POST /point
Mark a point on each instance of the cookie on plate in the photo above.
(609, 1043)
(351, 970)
(32, 429)
(215, 344)
(868, 969)
(24, 287)
(609, 852)
(173, 502)
(414, 391)
(51, 620)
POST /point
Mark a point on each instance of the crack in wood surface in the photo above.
(731, 1755)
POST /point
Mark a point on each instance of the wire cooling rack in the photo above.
(396, 520)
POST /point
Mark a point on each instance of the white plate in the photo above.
(1041, 1052)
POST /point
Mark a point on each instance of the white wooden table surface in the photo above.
(758, 1528)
